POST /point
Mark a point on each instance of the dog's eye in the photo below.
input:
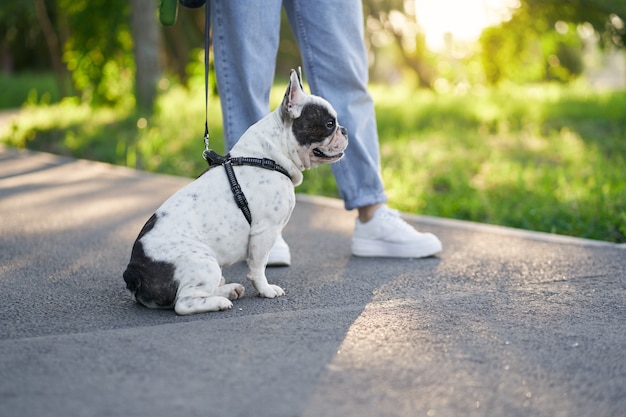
(330, 124)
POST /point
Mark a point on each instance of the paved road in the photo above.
(502, 323)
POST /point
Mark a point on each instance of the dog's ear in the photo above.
(295, 96)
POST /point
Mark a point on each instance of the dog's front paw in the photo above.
(270, 291)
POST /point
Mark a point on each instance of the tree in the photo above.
(540, 41)
(20, 38)
(392, 18)
(599, 13)
(98, 51)
(53, 43)
(146, 47)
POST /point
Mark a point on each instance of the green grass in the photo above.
(547, 158)
(27, 87)
(544, 158)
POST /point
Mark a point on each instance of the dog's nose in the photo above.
(343, 131)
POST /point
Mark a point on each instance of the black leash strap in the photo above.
(207, 46)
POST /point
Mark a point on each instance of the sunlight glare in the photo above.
(464, 19)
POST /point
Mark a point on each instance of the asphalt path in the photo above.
(502, 323)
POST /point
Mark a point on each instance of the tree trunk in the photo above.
(146, 37)
(52, 41)
(416, 60)
(417, 63)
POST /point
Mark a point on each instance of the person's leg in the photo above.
(245, 43)
(330, 36)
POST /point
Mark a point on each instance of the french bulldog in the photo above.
(177, 259)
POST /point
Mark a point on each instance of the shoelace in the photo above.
(393, 216)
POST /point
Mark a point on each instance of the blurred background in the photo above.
(90, 46)
(502, 111)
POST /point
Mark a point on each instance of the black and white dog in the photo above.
(177, 259)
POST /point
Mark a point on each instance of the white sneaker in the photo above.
(280, 254)
(386, 234)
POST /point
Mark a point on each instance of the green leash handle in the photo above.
(168, 11)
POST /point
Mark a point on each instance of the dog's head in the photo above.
(313, 122)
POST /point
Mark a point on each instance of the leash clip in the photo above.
(213, 158)
(207, 151)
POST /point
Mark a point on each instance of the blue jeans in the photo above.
(330, 36)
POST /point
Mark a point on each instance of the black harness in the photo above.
(214, 159)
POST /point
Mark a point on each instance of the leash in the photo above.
(207, 46)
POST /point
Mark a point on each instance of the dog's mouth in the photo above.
(320, 154)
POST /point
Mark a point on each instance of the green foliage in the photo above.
(599, 13)
(97, 44)
(168, 141)
(99, 51)
(545, 158)
(540, 42)
(27, 88)
(528, 49)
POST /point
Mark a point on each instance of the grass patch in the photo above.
(546, 158)
(23, 88)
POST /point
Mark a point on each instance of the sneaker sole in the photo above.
(279, 258)
(429, 246)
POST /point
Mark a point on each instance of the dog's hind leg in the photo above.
(200, 289)
(199, 302)
(230, 291)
